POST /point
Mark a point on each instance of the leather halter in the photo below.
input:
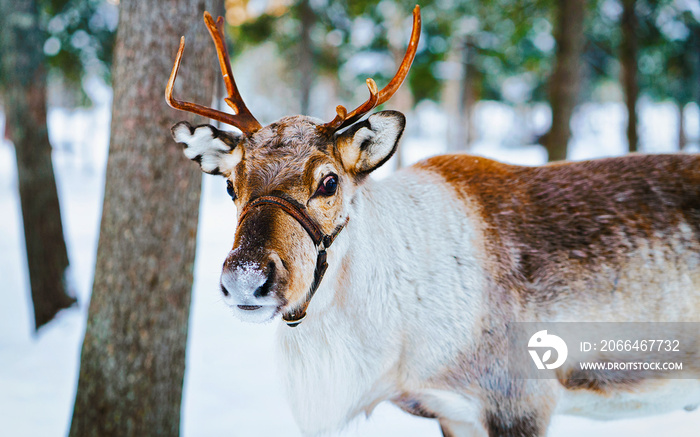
(321, 241)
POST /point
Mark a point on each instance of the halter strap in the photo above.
(321, 241)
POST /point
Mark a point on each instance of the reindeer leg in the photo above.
(524, 425)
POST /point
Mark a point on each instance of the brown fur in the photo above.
(281, 158)
(603, 381)
(606, 382)
(575, 242)
(525, 426)
(291, 157)
(582, 213)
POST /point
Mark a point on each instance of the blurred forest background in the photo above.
(521, 80)
(538, 63)
(522, 53)
(527, 54)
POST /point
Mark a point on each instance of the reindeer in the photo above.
(401, 289)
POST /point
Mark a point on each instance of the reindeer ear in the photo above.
(215, 151)
(369, 144)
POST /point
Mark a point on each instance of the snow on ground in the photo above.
(231, 386)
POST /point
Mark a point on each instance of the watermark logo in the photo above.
(636, 350)
(542, 340)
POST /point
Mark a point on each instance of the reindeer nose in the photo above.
(246, 282)
(264, 289)
(224, 290)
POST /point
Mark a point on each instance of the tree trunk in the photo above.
(306, 61)
(133, 356)
(402, 100)
(467, 103)
(696, 45)
(565, 80)
(628, 63)
(459, 96)
(682, 140)
(24, 96)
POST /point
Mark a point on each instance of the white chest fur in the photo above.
(376, 326)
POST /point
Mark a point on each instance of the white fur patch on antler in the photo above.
(214, 150)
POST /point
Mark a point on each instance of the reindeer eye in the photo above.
(329, 185)
(229, 190)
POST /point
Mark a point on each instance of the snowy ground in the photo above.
(229, 387)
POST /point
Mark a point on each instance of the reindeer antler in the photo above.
(242, 118)
(344, 119)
